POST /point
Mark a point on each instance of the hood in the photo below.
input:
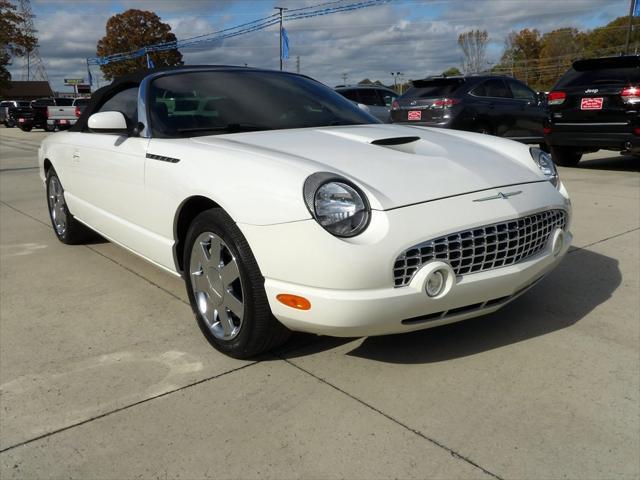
(396, 165)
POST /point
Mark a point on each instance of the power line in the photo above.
(243, 29)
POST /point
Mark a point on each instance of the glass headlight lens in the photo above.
(546, 165)
(336, 205)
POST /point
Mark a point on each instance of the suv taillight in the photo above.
(395, 105)
(445, 102)
(556, 98)
(78, 112)
(46, 112)
(630, 94)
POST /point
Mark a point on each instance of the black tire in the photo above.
(49, 128)
(259, 331)
(10, 124)
(566, 156)
(26, 129)
(72, 232)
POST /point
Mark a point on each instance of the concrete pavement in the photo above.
(104, 374)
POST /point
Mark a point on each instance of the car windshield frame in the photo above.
(234, 101)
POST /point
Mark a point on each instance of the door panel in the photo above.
(108, 183)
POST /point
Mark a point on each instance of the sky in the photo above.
(415, 37)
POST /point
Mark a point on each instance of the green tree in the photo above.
(610, 39)
(451, 72)
(15, 39)
(558, 49)
(132, 30)
(521, 55)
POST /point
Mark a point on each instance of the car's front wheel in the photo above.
(65, 226)
(566, 156)
(226, 289)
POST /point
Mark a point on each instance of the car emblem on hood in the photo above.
(502, 195)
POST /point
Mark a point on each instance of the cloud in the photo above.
(415, 37)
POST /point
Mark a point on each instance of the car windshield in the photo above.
(217, 102)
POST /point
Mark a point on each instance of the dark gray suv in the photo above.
(496, 105)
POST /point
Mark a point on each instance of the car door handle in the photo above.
(491, 106)
(75, 156)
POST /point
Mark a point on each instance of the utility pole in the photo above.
(280, 9)
(297, 63)
(344, 78)
(626, 47)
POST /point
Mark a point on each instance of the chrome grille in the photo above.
(482, 248)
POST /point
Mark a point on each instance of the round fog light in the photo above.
(435, 283)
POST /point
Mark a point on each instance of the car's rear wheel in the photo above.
(65, 226)
(566, 156)
(10, 124)
(226, 289)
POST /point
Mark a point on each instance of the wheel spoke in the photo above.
(233, 304)
(229, 273)
(225, 321)
(200, 283)
(214, 254)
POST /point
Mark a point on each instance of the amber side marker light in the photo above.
(294, 301)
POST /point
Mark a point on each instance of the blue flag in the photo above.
(150, 64)
(285, 44)
(636, 8)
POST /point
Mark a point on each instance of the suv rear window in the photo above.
(602, 71)
(436, 87)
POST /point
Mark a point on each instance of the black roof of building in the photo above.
(27, 90)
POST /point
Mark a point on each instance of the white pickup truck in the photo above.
(64, 114)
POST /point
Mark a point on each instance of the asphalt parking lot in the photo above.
(104, 374)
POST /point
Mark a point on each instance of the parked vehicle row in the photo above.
(49, 114)
(595, 105)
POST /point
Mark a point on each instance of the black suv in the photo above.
(496, 105)
(595, 105)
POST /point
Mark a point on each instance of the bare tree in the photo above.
(474, 45)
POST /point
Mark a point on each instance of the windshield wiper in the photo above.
(230, 128)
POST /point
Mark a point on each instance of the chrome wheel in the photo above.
(57, 206)
(217, 287)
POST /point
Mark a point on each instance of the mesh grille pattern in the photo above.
(482, 248)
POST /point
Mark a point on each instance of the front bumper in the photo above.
(350, 282)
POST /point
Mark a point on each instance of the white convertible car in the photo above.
(286, 207)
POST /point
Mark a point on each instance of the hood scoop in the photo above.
(385, 142)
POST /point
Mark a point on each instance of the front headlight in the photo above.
(546, 165)
(336, 204)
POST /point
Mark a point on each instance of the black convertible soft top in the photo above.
(134, 80)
